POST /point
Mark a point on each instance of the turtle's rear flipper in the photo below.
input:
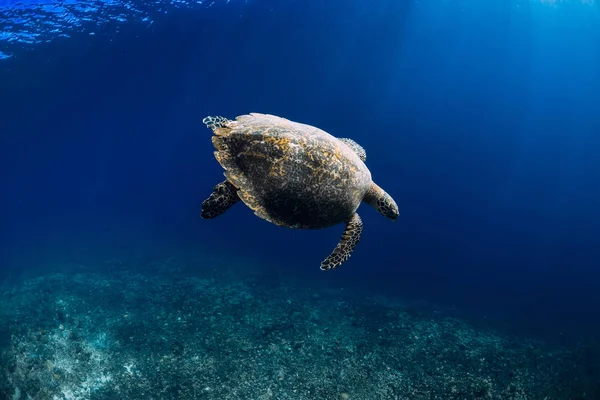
(344, 249)
(358, 149)
(224, 196)
(215, 123)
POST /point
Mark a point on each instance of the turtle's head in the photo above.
(382, 202)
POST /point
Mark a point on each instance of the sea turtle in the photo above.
(294, 175)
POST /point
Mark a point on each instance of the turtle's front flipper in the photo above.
(224, 196)
(344, 249)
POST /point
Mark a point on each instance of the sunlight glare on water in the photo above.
(556, 2)
(24, 24)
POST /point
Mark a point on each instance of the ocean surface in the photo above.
(480, 118)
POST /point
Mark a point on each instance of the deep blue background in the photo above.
(481, 120)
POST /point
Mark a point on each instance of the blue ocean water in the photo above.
(481, 119)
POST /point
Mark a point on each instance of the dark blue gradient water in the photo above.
(481, 119)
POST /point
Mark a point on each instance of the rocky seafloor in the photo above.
(130, 335)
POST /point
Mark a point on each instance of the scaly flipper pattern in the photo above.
(344, 249)
(357, 148)
(215, 122)
(223, 197)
